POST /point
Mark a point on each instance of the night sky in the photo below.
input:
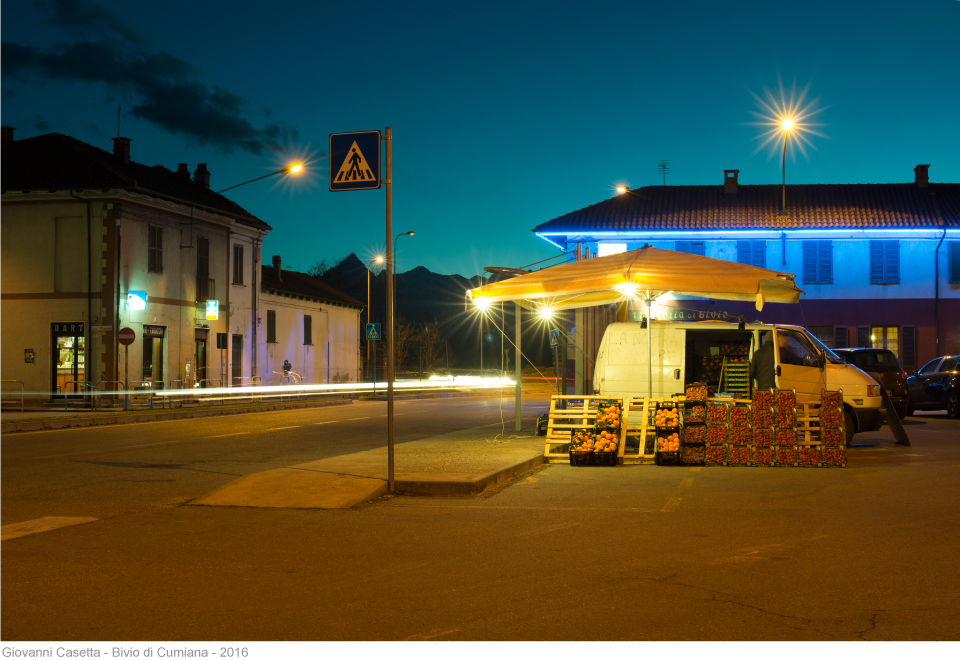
(505, 115)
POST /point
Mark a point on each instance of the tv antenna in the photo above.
(119, 116)
(663, 167)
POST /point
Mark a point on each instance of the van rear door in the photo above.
(625, 360)
(798, 364)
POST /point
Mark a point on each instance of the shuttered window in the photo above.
(155, 250)
(691, 247)
(863, 336)
(884, 262)
(307, 330)
(238, 264)
(840, 337)
(908, 335)
(818, 262)
(824, 333)
(271, 326)
(954, 262)
(752, 252)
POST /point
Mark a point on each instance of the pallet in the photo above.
(562, 423)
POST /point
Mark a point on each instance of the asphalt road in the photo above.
(106, 471)
(632, 553)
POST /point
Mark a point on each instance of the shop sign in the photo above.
(29, 356)
(662, 313)
(154, 330)
(213, 310)
(68, 329)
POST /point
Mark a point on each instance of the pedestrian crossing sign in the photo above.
(355, 161)
(373, 332)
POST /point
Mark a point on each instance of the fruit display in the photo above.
(739, 416)
(762, 399)
(717, 413)
(831, 437)
(735, 349)
(694, 435)
(785, 418)
(715, 455)
(666, 418)
(692, 455)
(606, 441)
(741, 435)
(786, 437)
(582, 441)
(694, 414)
(810, 456)
(762, 437)
(784, 399)
(717, 435)
(710, 367)
(832, 400)
(762, 456)
(608, 417)
(762, 417)
(738, 456)
(696, 392)
(786, 455)
(835, 456)
(831, 418)
(668, 442)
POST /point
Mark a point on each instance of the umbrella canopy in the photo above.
(645, 274)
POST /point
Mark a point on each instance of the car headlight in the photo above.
(873, 390)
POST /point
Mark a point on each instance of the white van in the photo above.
(685, 353)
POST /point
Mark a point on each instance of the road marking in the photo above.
(332, 421)
(686, 483)
(225, 435)
(352, 419)
(696, 469)
(16, 530)
(671, 504)
(282, 428)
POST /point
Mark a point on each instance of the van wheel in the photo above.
(849, 427)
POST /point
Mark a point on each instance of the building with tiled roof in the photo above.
(879, 263)
(94, 241)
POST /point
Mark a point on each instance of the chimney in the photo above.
(183, 171)
(276, 266)
(202, 176)
(730, 184)
(921, 176)
(8, 133)
(121, 148)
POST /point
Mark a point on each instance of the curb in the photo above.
(79, 422)
(441, 486)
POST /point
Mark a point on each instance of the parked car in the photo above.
(883, 365)
(936, 386)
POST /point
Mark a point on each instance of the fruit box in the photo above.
(762, 456)
(696, 392)
(667, 457)
(786, 437)
(694, 435)
(831, 418)
(605, 458)
(833, 400)
(834, 457)
(716, 455)
(809, 456)
(692, 455)
(784, 399)
(831, 437)
(694, 414)
(741, 435)
(763, 438)
(718, 414)
(738, 455)
(578, 457)
(739, 416)
(763, 418)
(785, 456)
(717, 435)
(763, 399)
(785, 418)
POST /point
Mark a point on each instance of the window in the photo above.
(155, 254)
(307, 330)
(752, 252)
(691, 247)
(954, 262)
(238, 264)
(797, 350)
(908, 337)
(840, 337)
(950, 364)
(886, 336)
(884, 262)
(271, 326)
(205, 286)
(824, 333)
(604, 249)
(818, 262)
(930, 367)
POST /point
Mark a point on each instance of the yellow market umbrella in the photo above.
(643, 274)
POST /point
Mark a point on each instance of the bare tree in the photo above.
(320, 268)
(432, 341)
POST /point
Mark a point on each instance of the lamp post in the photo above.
(292, 168)
(787, 124)
(404, 233)
(378, 260)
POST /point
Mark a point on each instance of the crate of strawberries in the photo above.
(784, 399)
(831, 437)
(741, 435)
(694, 435)
(738, 455)
(696, 392)
(762, 456)
(785, 437)
(694, 413)
(739, 416)
(763, 418)
(692, 455)
(715, 455)
(763, 437)
(717, 435)
(831, 418)
(763, 399)
(833, 400)
(785, 456)
(810, 456)
(834, 457)
(718, 414)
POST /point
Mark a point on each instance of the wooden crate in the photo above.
(563, 423)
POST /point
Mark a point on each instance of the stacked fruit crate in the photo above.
(693, 434)
(785, 427)
(832, 432)
(717, 433)
(762, 451)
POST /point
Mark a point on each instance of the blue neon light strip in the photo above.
(740, 232)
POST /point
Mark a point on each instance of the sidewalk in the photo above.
(454, 464)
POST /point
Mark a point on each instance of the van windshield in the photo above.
(831, 356)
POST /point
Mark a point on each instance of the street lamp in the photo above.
(393, 320)
(787, 124)
(292, 168)
(377, 260)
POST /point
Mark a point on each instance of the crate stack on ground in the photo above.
(741, 434)
(785, 427)
(717, 433)
(693, 431)
(598, 446)
(761, 450)
(832, 433)
(667, 423)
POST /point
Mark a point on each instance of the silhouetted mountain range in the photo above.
(423, 296)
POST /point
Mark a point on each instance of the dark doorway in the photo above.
(236, 361)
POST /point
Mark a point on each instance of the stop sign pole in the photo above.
(126, 336)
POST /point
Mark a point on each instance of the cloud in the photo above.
(164, 88)
(81, 18)
(35, 125)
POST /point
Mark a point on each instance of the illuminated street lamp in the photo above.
(377, 260)
(622, 189)
(292, 168)
(787, 124)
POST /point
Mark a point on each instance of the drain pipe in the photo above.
(936, 289)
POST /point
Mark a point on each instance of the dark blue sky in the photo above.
(504, 115)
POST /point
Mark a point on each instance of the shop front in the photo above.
(69, 359)
(153, 355)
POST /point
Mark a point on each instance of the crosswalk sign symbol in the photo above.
(354, 161)
(554, 338)
(373, 332)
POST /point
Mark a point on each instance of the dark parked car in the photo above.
(885, 369)
(936, 386)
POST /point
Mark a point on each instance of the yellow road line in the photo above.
(695, 469)
(16, 530)
(671, 504)
(282, 428)
(225, 435)
(686, 483)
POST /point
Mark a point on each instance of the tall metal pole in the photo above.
(388, 182)
(783, 188)
(649, 348)
(368, 310)
(517, 329)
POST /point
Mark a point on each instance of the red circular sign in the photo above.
(126, 336)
